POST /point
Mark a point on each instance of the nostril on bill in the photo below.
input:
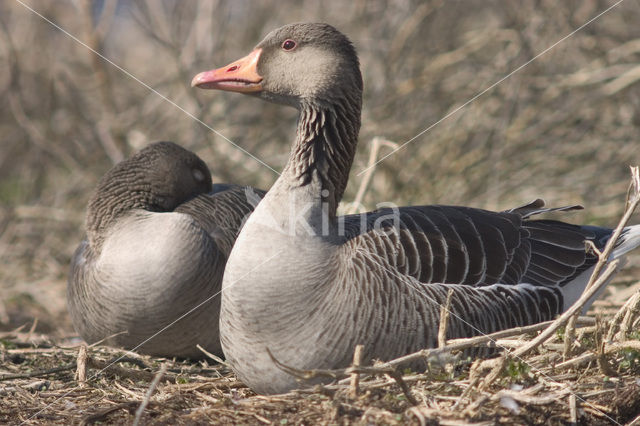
(233, 68)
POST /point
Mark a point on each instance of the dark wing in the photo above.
(223, 212)
(461, 245)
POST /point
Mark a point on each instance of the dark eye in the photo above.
(289, 44)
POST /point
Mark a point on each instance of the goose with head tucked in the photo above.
(158, 236)
(304, 286)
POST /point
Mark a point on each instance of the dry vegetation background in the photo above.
(565, 128)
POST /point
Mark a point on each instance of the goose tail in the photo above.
(628, 241)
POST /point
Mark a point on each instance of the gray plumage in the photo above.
(309, 286)
(158, 236)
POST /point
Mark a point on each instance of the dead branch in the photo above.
(81, 370)
(604, 256)
(150, 391)
(376, 144)
(461, 344)
(444, 320)
(355, 377)
(38, 373)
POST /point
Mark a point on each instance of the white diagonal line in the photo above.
(491, 87)
(130, 75)
(190, 311)
(154, 335)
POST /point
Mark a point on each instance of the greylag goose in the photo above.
(158, 237)
(305, 286)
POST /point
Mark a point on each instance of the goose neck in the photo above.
(323, 152)
(113, 197)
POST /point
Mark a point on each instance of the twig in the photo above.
(42, 340)
(526, 398)
(35, 134)
(472, 408)
(38, 373)
(608, 349)
(397, 376)
(32, 329)
(444, 320)
(573, 409)
(235, 412)
(603, 257)
(123, 372)
(569, 337)
(131, 360)
(576, 307)
(309, 374)
(99, 342)
(132, 394)
(33, 386)
(621, 315)
(497, 366)
(376, 143)
(8, 334)
(377, 370)
(150, 391)
(473, 381)
(212, 356)
(587, 357)
(206, 397)
(461, 344)
(81, 362)
(355, 377)
(633, 310)
(626, 79)
(618, 346)
(93, 418)
(605, 368)
(333, 374)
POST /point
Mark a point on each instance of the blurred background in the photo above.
(564, 128)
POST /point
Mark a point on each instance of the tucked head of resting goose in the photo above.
(304, 287)
(157, 242)
(158, 179)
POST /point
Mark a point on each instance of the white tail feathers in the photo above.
(629, 240)
(571, 292)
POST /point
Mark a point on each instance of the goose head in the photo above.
(297, 63)
(170, 175)
(158, 179)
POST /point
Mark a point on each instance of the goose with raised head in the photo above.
(158, 236)
(305, 286)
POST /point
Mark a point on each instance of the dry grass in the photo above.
(49, 380)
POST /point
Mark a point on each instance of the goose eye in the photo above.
(198, 175)
(289, 44)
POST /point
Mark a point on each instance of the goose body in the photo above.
(306, 286)
(158, 236)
